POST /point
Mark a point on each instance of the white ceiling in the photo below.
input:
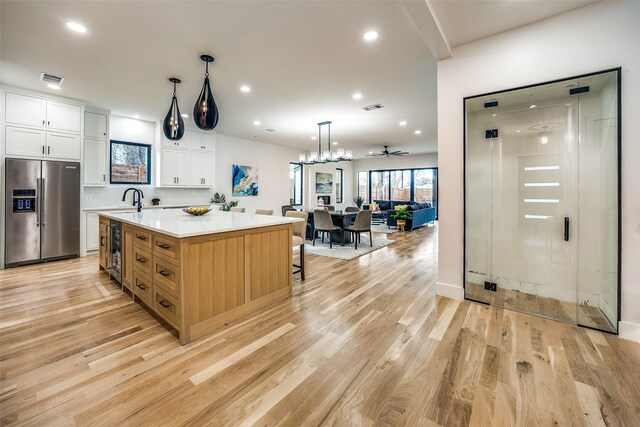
(302, 59)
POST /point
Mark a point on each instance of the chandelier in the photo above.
(326, 156)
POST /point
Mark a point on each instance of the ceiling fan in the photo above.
(388, 153)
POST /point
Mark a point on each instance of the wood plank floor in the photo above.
(362, 342)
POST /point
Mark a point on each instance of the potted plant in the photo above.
(401, 215)
(358, 200)
(155, 201)
(221, 199)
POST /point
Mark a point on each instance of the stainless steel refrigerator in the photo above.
(42, 220)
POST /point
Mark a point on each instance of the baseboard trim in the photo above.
(629, 331)
(450, 291)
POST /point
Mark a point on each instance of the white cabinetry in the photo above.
(175, 168)
(92, 232)
(190, 163)
(42, 128)
(94, 162)
(95, 125)
(96, 135)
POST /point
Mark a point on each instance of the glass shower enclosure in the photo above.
(542, 196)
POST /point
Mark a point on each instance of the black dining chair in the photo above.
(362, 224)
(352, 209)
(287, 208)
(323, 223)
(330, 208)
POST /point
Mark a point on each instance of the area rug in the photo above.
(347, 251)
(382, 228)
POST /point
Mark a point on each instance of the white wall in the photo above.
(593, 38)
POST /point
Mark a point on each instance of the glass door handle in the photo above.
(567, 225)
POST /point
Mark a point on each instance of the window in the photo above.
(401, 185)
(362, 184)
(295, 184)
(424, 190)
(339, 176)
(130, 163)
(379, 185)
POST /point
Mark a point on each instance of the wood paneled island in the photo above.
(200, 272)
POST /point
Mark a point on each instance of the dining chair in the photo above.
(287, 208)
(236, 209)
(330, 208)
(264, 211)
(298, 237)
(352, 209)
(362, 224)
(322, 222)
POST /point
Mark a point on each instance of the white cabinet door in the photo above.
(200, 141)
(168, 167)
(95, 125)
(207, 169)
(182, 167)
(25, 110)
(25, 142)
(63, 145)
(63, 116)
(92, 231)
(201, 169)
(181, 143)
(94, 162)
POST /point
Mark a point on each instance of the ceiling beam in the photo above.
(427, 24)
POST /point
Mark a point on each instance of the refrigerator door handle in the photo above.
(42, 210)
(38, 204)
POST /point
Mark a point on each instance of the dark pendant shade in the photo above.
(173, 125)
(205, 111)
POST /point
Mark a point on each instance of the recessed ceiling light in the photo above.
(518, 131)
(53, 86)
(544, 139)
(314, 138)
(370, 152)
(78, 28)
(245, 89)
(370, 36)
(417, 132)
(493, 115)
(135, 116)
(256, 122)
(357, 95)
(186, 116)
(402, 123)
(335, 142)
(533, 106)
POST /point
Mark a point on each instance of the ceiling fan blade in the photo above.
(395, 152)
(374, 155)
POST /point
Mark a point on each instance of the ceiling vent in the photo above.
(373, 107)
(269, 130)
(50, 78)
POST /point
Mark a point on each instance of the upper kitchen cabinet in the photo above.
(200, 141)
(26, 110)
(41, 127)
(63, 117)
(182, 143)
(95, 125)
(32, 111)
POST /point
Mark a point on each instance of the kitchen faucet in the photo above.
(138, 195)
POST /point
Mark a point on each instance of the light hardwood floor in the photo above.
(362, 342)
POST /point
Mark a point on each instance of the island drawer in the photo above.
(166, 273)
(141, 260)
(142, 287)
(165, 245)
(142, 238)
(165, 306)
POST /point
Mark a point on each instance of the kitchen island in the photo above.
(199, 272)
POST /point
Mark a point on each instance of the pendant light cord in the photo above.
(206, 72)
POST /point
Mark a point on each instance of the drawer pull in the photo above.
(141, 260)
(163, 246)
(165, 273)
(141, 286)
(141, 238)
(164, 304)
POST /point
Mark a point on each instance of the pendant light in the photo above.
(326, 156)
(173, 125)
(205, 112)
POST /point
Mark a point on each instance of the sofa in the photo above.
(422, 213)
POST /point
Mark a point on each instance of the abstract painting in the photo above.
(245, 180)
(324, 183)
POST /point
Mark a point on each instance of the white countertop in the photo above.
(133, 208)
(180, 224)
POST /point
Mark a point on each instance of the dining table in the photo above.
(340, 218)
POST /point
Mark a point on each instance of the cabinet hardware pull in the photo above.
(164, 304)
(48, 123)
(49, 150)
(104, 133)
(101, 240)
(141, 237)
(141, 260)
(141, 286)
(43, 149)
(164, 273)
(163, 246)
(104, 177)
(43, 123)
